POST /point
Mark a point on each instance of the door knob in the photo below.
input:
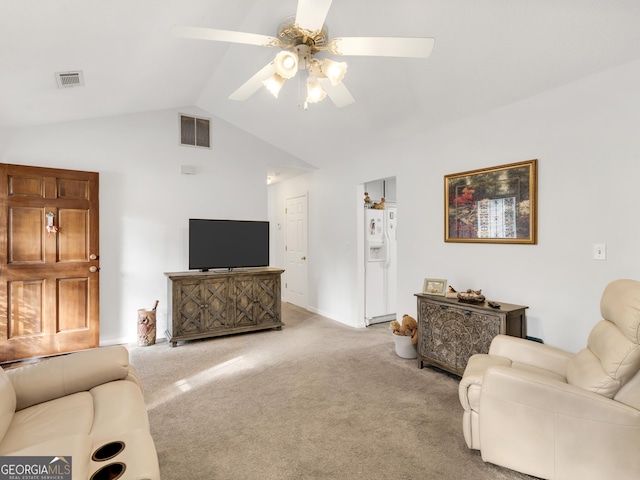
(93, 256)
(303, 258)
(93, 269)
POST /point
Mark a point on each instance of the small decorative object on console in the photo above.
(451, 292)
(434, 286)
(471, 296)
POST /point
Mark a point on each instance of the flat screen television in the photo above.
(227, 244)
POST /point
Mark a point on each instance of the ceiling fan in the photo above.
(300, 38)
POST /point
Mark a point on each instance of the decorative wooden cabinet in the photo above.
(211, 304)
(450, 331)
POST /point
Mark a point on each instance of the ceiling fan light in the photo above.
(334, 71)
(315, 93)
(274, 84)
(286, 63)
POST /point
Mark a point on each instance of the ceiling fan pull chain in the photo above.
(300, 104)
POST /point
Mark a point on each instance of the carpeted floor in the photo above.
(316, 400)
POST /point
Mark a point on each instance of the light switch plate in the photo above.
(599, 251)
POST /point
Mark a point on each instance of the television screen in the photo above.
(228, 244)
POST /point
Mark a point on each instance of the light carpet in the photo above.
(315, 400)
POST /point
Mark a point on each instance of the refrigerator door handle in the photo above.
(387, 248)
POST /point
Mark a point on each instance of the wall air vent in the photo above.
(69, 79)
(195, 131)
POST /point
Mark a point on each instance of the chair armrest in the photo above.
(471, 381)
(75, 372)
(558, 398)
(527, 352)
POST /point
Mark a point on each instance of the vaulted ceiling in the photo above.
(488, 53)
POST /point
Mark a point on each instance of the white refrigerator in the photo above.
(380, 264)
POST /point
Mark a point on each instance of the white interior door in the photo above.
(295, 284)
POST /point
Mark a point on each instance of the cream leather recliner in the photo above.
(556, 415)
(83, 410)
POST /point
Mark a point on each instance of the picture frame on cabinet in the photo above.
(434, 286)
(492, 205)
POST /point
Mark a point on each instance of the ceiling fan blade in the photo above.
(339, 94)
(311, 14)
(382, 46)
(224, 36)
(252, 85)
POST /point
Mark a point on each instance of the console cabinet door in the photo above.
(243, 294)
(257, 299)
(216, 312)
(202, 306)
(267, 299)
(189, 308)
(452, 335)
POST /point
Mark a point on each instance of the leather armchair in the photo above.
(557, 415)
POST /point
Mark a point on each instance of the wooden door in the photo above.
(49, 281)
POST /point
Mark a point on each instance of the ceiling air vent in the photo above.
(69, 79)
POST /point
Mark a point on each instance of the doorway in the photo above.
(380, 251)
(49, 261)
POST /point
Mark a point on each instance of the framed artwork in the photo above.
(434, 286)
(492, 205)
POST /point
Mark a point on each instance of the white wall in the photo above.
(585, 136)
(145, 202)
